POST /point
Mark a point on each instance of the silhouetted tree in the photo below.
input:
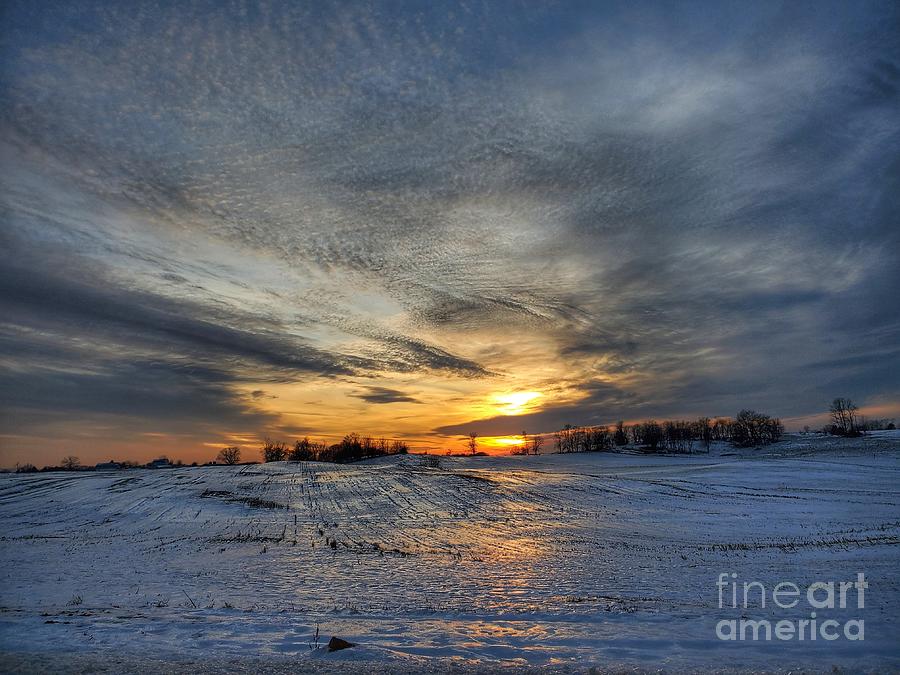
(721, 429)
(600, 439)
(580, 439)
(523, 446)
(472, 443)
(844, 417)
(703, 431)
(751, 428)
(230, 455)
(620, 437)
(303, 451)
(678, 436)
(648, 434)
(352, 448)
(567, 439)
(71, 463)
(274, 452)
(398, 448)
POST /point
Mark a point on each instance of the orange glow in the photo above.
(499, 444)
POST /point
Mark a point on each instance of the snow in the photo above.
(555, 562)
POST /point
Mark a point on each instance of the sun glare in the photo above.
(515, 403)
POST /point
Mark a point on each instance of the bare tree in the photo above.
(472, 443)
(71, 463)
(620, 437)
(704, 431)
(648, 434)
(844, 417)
(537, 442)
(230, 455)
(566, 439)
(303, 451)
(751, 428)
(274, 452)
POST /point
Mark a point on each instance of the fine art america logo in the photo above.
(818, 598)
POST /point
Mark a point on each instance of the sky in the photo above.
(221, 221)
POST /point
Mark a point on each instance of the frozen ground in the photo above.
(558, 562)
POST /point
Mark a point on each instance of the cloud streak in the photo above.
(385, 395)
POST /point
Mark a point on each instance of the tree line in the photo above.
(351, 448)
(846, 420)
(748, 429)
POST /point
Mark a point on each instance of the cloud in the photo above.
(62, 383)
(385, 395)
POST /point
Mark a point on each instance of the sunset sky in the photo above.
(222, 221)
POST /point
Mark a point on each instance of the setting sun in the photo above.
(503, 441)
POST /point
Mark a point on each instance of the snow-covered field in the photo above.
(559, 561)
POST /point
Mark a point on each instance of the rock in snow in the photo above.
(336, 643)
